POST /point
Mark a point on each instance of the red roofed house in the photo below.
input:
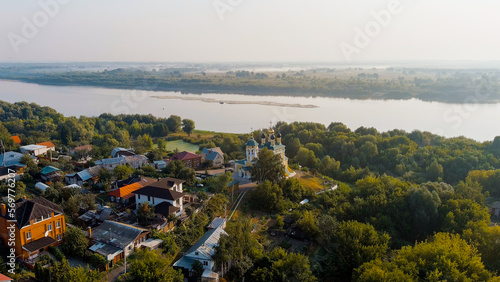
(189, 159)
(123, 194)
(49, 145)
(16, 139)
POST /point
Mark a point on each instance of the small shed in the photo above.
(41, 186)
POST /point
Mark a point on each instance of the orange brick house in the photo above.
(36, 225)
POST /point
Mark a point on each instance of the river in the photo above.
(238, 114)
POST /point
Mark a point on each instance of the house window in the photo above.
(195, 253)
(49, 227)
(205, 262)
(58, 224)
(138, 197)
(28, 236)
(59, 237)
(112, 199)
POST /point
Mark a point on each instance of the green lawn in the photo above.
(182, 146)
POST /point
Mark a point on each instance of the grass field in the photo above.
(309, 181)
(182, 146)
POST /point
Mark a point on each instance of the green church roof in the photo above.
(252, 142)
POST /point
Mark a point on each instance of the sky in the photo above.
(248, 30)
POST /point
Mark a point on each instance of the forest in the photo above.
(443, 85)
(410, 206)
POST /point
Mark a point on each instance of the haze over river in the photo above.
(240, 113)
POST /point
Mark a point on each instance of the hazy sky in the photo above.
(248, 30)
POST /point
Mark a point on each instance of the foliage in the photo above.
(145, 212)
(268, 167)
(444, 258)
(197, 268)
(149, 266)
(278, 265)
(57, 253)
(123, 172)
(219, 183)
(75, 242)
(188, 126)
(357, 243)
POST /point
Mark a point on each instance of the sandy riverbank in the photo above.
(212, 100)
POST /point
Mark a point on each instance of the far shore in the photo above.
(222, 101)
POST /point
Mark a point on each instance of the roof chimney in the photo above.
(4, 209)
(89, 231)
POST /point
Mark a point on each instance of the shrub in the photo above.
(57, 253)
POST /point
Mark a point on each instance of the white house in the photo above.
(111, 239)
(135, 161)
(34, 150)
(203, 250)
(165, 195)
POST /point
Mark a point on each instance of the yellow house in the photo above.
(35, 225)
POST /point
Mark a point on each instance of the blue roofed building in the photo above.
(10, 162)
(12, 159)
(50, 174)
(214, 155)
(203, 250)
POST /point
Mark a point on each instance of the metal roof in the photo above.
(206, 245)
(49, 169)
(11, 158)
(121, 233)
(32, 147)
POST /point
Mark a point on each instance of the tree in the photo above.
(144, 143)
(294, 190)
(306, 157)
(145, 212)
(457, 214)
(268, 167)
(188, 126)
(174, 123)
(329, 166)
(149, 266)
(219, 183)
(357, 243)
(280, 266)
(485, 239)
(75, 242)
(72, 206)
(197, 268)
(30, 164)
(178, 169)
(445, 257)
(123, 171)
(434, 171)
(267, 196)
(308, 224)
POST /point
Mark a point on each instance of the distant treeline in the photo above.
(461, 86)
